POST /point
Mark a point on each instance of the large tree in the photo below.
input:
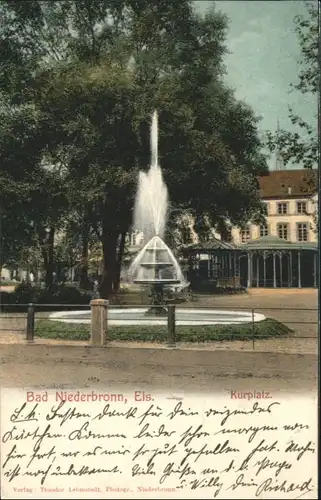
(94, 71)
(17, 162)
(33, 194)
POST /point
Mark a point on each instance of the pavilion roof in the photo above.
(272, 242)
(211, 245)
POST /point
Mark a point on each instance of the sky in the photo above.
(263, 59)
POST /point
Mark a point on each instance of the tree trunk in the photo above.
(224, 231)
(120, 255)
(109, 243)
(84, 282)
(47, 250)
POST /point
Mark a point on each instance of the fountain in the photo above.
(155, 265)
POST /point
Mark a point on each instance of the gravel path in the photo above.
(69, 366)
(296, 308)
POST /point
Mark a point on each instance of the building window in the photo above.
(264, 230)
(133, 238)
(283, 231)
(282, 208)
(302, 230)
(245, 235)
(301, 207)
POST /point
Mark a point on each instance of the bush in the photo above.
(26, 293)
(5, 298)
(62, 294)
(4, 282)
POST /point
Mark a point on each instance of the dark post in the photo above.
(171, 326)
(253, 329)
(30, 323)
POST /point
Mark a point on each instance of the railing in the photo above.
(26, 321)
(21, 319)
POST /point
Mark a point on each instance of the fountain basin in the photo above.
(156, 282)
(184, 317)
(156, 265)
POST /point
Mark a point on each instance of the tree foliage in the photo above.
(90, 73)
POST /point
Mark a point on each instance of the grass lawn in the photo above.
(269, 328)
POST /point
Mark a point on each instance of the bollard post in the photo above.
(99, 329)
(253, 330)
(171, 324)
(30, 324)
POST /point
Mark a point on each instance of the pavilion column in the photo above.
(299, 269)
(257, 270)
(281, 269)
(264, 269)
(291, 272)
(274, 271)
(289, 269)
(235, 269)
(198, 258)
(315, 283)
(209, 265)
(229, 265)
(249, 270)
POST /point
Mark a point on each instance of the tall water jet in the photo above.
(155, 265)
(151, 201)
(154, 139)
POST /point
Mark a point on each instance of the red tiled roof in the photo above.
(288, 183)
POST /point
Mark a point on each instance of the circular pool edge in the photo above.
(236, 317)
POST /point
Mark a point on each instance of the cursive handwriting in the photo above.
(285, 486)
(261, 447)
(210, 448)
(274, 465)
(84, 432)
(66, 415)
(251, 432)
(20, 415)
(146, 432)
(15, 434)
(228, 413)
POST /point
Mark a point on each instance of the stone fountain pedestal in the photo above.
(157, 303)
(157, 285)
(156, 268)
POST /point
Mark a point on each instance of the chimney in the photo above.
(289, 190)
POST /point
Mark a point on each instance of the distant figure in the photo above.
(31, 277)
(96, 289)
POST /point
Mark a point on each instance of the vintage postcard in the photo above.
(159, 250)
